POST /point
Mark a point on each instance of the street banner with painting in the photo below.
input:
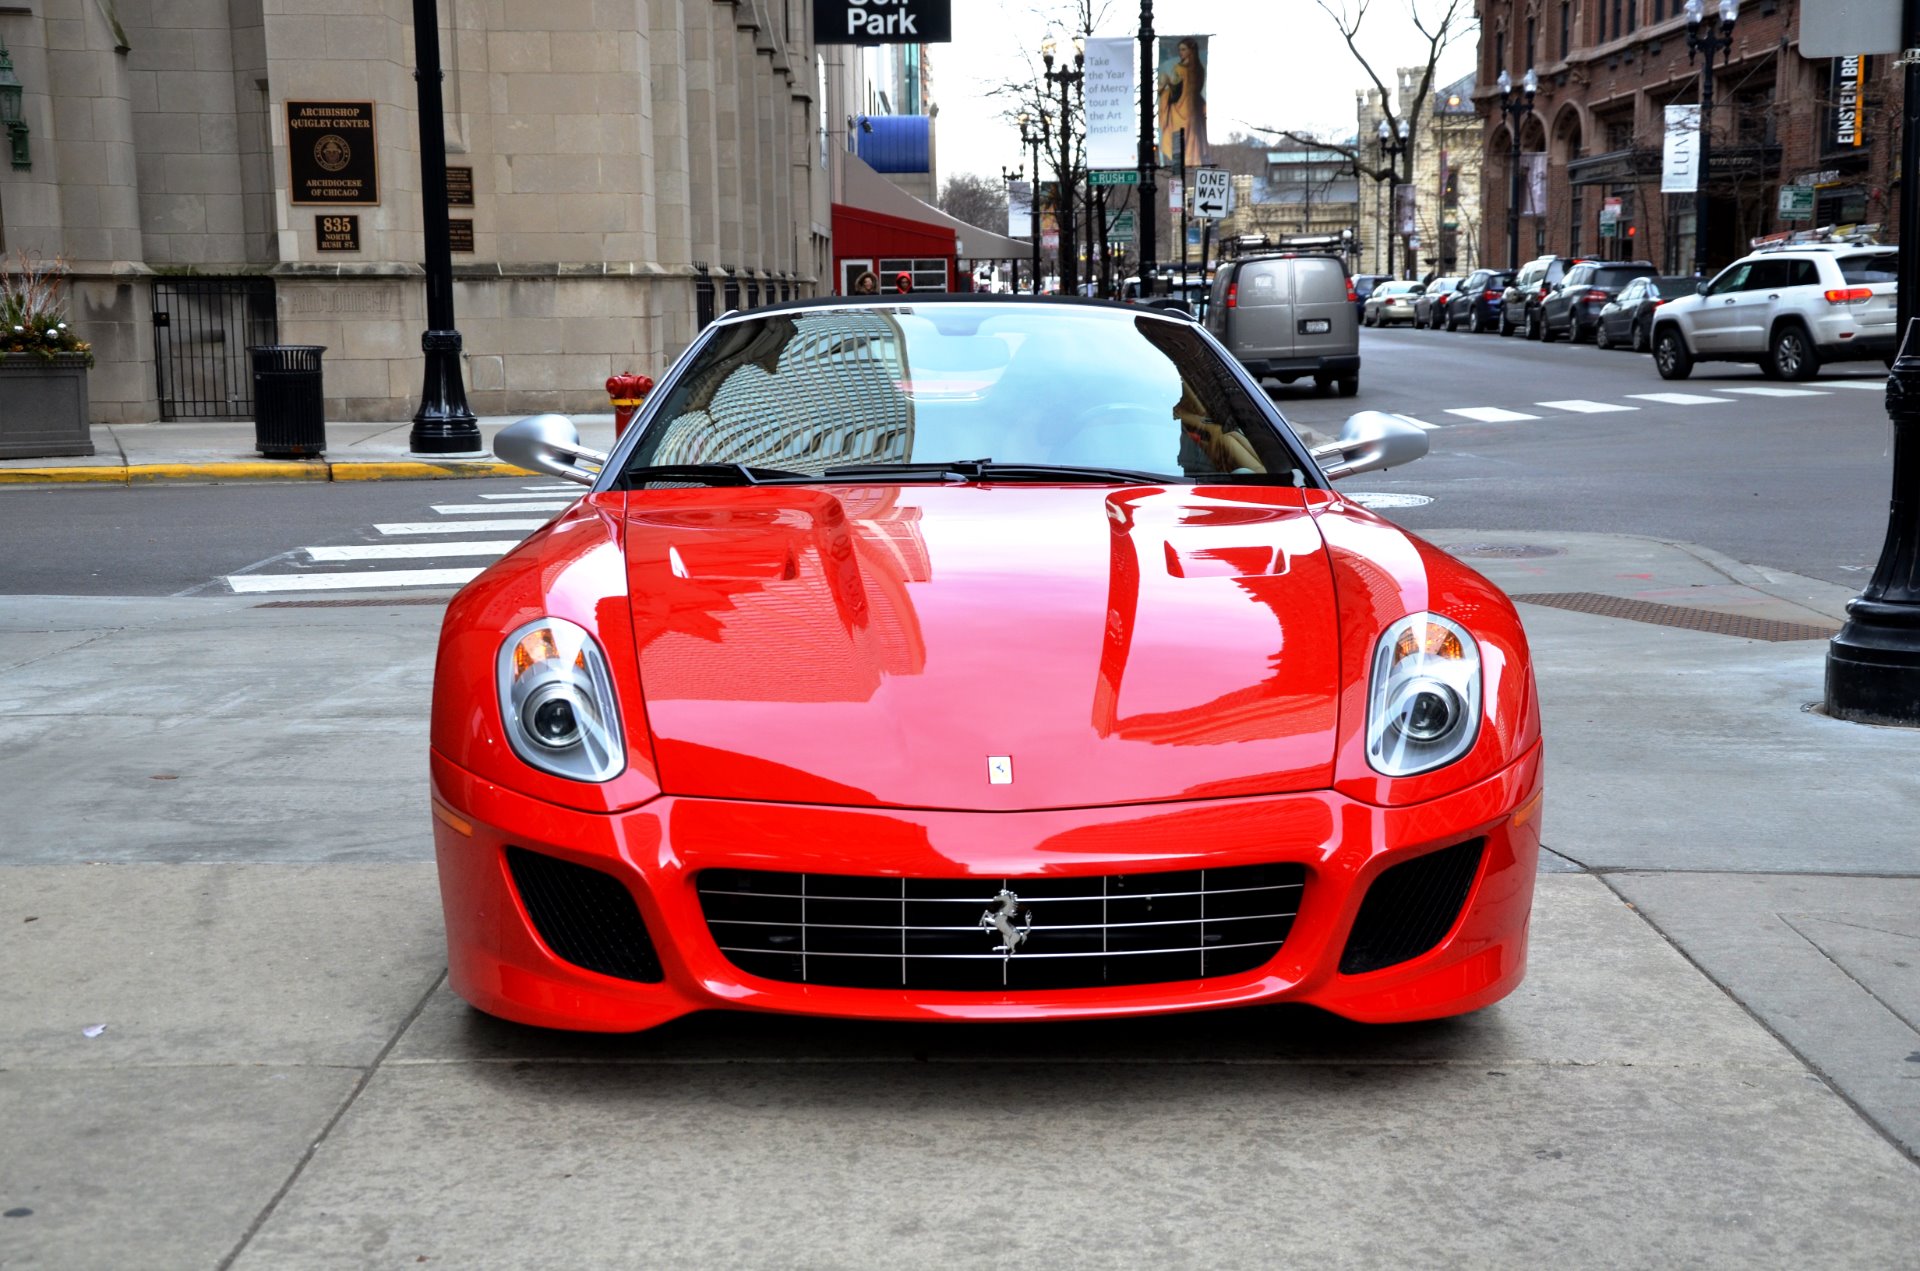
(1113, 139)
(1534, 194)
(1019, 209)
(1182, 89)
(1680, 153)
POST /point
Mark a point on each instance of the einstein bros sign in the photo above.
(882, 21)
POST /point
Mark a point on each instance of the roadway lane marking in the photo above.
(1421, 423)
(1682, 399)
(1490, 414)
(1770, 391)
(489, 509)
(253, 583)
(457, 527)
(1871, 386)
(404, 551)
(1581, 406)
(548, 490)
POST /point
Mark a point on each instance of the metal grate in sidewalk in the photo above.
(1731, 624)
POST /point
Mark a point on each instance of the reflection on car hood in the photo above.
(880, 645)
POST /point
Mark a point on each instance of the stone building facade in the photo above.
(621, 169)
(1445, 195)
(1608, 69)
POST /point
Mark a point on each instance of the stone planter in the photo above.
(43, 406)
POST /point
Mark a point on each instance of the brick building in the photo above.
(1608, 69)
(1444, 199)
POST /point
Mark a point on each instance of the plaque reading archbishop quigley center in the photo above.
(331, 150)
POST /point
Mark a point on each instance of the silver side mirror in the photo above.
(550, 444)
(1369, 442)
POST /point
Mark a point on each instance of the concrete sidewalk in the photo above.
(1715, 1059)
(224, 450)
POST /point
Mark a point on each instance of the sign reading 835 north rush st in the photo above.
(882, 21)
(332, 153)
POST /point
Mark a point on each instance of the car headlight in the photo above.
(557, 700)
(1423, 703)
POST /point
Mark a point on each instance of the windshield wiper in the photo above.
(711, 473)
(948, 470)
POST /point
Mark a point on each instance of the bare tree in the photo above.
(977, 200)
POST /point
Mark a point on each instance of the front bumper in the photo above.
(497, 961)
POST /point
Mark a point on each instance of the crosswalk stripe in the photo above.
(1768, 390)
(523, 494)
(1581, 406)
(249, 584)
(1421, 423)
(1682, 399)
(1871, 386)
(549, 489)
(410, 551)
(487, 509)
(1490, 414)
(456, 527)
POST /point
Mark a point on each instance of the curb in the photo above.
(287, 470)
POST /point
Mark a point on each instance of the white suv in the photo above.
(1788, 309)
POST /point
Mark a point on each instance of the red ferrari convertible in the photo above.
(969, 658)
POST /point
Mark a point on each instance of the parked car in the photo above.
(1430, 307)
(1363, 285)
(1628, 318)
(1520, 305)
(1288, 316)
(1477, 302)
(1789, 310)
(1390, 302)
(1573, 308)
(790, 711)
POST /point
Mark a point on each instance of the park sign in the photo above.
(882, 21)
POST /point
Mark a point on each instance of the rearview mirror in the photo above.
(549, 444)
(1371, 441)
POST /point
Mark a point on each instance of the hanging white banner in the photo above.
(1535, 201)
(1019, 209)
(1680, 155)
(1113, 119)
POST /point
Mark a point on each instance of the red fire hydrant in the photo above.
(627, 393)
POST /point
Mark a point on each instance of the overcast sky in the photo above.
(1279, 63)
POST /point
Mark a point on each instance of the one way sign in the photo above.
(1212, 193)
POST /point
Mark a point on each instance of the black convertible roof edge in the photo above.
(898, 300)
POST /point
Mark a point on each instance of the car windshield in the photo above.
(958, 389)
(1871, 267)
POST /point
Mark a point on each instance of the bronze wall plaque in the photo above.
(332, 152)
(337, 233)
(459, 187)
(460, 236)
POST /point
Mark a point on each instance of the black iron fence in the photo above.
(201, 330)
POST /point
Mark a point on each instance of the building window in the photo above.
(1632, 20)
(1576, 207)
(1566, 28)
(1499, 52)
(1529, 58)
(1616, 21)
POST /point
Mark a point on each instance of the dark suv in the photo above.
(1573, 308)
(1477, 302)
(1520, 305)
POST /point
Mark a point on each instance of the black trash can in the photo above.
(289, 415)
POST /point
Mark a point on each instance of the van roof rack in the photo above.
(1857, 235)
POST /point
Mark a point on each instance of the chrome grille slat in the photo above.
(901, 932)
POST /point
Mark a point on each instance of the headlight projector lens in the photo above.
(552, 718)
(1425, 711)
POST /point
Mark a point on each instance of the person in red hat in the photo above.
(903, 282)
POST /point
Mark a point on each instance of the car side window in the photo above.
(1633, 291)
(1768, 275)
(1732, 278)
(1577, 276)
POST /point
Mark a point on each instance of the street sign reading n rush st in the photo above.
(882, 21)
(1114, 176)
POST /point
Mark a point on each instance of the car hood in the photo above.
(994, 647)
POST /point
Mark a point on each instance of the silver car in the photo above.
(1287, 317)
(1391, 302)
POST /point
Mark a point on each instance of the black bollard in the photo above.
(1873, 665)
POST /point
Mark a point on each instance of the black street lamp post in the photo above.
(443, 425)
(1703, 40)
(1518, 103)
(1393, 144)
(1149, 246)
(1873, 665)
(1030, 138)
(1007, 177)
(1069, 242)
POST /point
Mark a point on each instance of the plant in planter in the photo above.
(43, 364)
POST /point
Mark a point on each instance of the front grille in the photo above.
(1411, 907)
(586, 917)
(926, 933)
